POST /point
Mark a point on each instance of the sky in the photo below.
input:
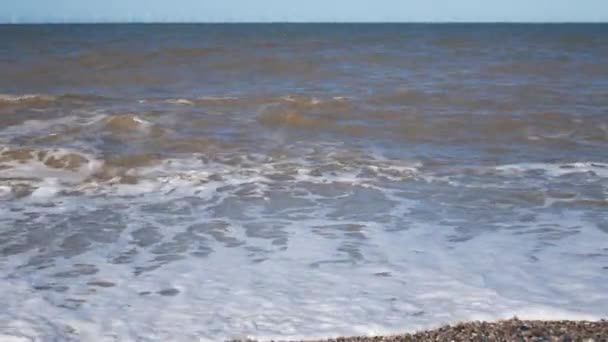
(17, 11)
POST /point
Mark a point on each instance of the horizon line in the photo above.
(185, 22)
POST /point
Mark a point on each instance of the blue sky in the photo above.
(303, 10)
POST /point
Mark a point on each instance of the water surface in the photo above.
(180, 182)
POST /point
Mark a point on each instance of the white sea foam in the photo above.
(322, 241)
(7, 98)
(423, 283)
(37, 166)
(558, 169)
(181, 102)
(408, 280)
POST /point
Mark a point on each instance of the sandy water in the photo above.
(204, 182)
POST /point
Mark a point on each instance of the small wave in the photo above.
(27, 98)
(74, 97)
(45, 99)
(38, 172)
(312, 113)
(53, 159)
(177, 101)
(333, 105)
(126, 123)
(28, 171)
(50, 130)
(215, 101)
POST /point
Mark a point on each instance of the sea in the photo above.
(203, 182)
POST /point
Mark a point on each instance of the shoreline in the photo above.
(505, 330)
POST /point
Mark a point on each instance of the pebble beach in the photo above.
(508, 330)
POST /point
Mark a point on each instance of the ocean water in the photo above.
(206, 182)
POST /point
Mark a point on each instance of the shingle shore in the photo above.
(508, 330)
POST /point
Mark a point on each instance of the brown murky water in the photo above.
(297, 180)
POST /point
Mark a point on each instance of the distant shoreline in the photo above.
(506, 330)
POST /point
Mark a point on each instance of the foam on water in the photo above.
(558, 169)
(410, 280)
(8, 99)
(285, 248)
